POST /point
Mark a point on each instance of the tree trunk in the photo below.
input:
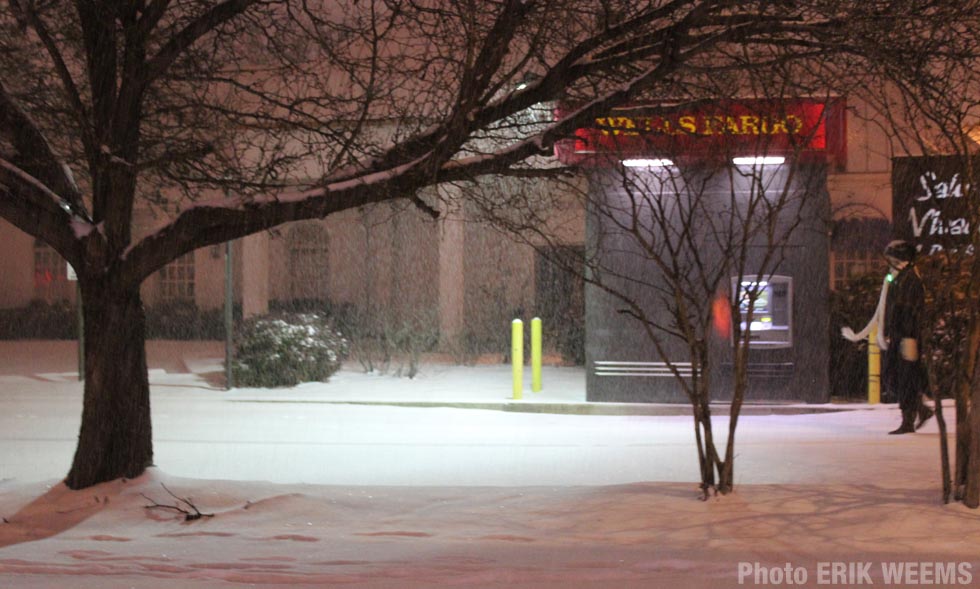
(116, 436)
(701, 406)
(972, 492)
(702, 435)
(963, 438)
(946, 473)
(726, 474)
(968, 422)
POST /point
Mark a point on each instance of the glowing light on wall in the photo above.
(768, 160)
(647, 163)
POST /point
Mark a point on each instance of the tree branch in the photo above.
(191, 514)
(199, 27)
(81, 114)
(42, 223)
(34, 156)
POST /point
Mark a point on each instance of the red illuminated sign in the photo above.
(801, 128)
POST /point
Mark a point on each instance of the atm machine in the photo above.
(789, 347)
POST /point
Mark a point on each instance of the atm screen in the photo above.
(771, 303)
(763, 294)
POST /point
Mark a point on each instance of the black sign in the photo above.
(931, 202)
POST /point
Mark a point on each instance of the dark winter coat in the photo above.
(904, 309)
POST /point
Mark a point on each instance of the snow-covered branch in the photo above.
(33, 154)
(36, 210)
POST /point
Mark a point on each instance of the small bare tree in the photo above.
(697, 242)
(664, 246)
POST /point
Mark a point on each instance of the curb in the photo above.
(678, 409)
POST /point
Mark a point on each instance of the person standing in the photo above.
(898, 321)
(904, 371)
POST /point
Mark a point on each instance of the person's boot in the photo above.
(907, 427)
(924, 414)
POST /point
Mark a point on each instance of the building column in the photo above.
(255, 274)
(452, 281)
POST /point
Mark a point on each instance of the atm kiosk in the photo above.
(788, 351)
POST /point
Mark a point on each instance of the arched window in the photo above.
(309, 262)
(177, 279)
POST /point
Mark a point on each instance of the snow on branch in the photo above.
(14, 177)
(28, 142)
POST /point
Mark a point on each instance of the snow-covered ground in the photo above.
(306, 487)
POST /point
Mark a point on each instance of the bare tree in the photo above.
(685, 252)
(698, 243)
(230, 117)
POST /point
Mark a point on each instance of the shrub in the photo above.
(382, 343)
(286, 349)
(852, 306)
(183, 320)
(947, 318)
(40, 320)
(177, 320)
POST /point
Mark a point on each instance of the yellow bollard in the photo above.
(874, 368)
(517, 356)
(536, 354)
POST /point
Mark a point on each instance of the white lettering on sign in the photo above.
(933, 221)
(937, 247)
(933, 189)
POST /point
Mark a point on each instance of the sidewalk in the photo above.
(178, 367)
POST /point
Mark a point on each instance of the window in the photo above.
(309, 262)
(50, 274)
(851, 264)
(856, 247)
(177, 279)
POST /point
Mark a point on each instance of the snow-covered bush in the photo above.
(285, 350)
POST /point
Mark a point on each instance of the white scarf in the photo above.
(878, 319)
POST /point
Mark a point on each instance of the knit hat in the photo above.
(900, 250)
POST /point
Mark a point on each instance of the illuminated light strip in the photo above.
(648, 163)
(768, 160)
(655, 369)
